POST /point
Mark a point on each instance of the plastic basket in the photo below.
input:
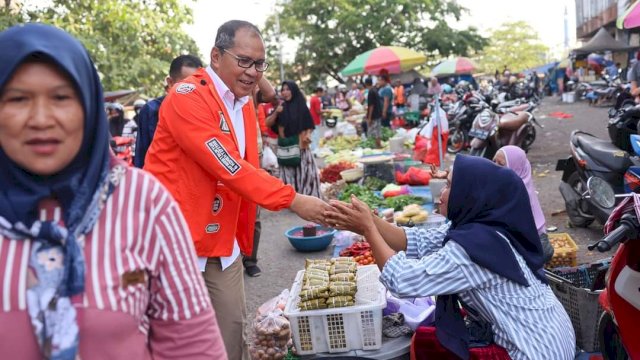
(563, 256)
(583, 308)
(340, 329)
(583, 276)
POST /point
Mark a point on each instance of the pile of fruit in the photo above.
(328, 284)
(360, 251)
(412, 214)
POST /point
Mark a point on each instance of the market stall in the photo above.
(337, 306)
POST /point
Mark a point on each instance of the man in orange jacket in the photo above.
(205, 152)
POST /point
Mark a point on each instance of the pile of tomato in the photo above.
(361, 253)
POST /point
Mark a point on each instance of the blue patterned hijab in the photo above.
(81, 188)
(485, 200)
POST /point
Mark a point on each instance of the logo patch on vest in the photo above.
(224, 127)
(223, 157)
(185, 88)
(217, 205)
(212, 228)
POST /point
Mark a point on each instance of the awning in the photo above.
(603, 41)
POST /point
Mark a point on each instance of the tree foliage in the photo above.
(515, 45)
(331, 33)
(132, 42)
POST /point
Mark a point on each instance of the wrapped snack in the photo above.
(314, 293)
(313, 276)
(316, 272)
(343, 268)
(315, 283)
(321, 267)
(343, 277)
(339, 301)
(308, 262)
(270, 331)
(342, 259)
(313, 304)
(336, 289)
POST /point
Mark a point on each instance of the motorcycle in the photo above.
(594, 157)
(492, 130)
(617, 327)
(461, 122)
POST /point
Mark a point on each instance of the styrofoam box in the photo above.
(340, 329)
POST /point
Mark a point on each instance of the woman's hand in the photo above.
(356, 217)
(279, 109)
(438, 174)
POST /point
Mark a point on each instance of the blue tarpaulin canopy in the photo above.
(542, 69)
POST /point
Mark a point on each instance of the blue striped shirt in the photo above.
(528, 321)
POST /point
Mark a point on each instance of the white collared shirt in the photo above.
(234, 109)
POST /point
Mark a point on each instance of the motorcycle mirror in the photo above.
(600, 192)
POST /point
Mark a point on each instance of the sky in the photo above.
(545, 16)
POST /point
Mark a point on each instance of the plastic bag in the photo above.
(270, 337)
(269, 159)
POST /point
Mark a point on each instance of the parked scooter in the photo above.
(618, 329)
(491, 131)
(461, 121)
(594, 157)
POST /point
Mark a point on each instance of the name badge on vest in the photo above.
(224, 127)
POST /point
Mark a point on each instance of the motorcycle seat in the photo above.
(517, 108)
(512, 121)
(603, 152)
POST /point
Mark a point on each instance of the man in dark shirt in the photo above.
(374, 112)
(181, 67)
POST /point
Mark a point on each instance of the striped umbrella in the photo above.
(394, 59)
(630, 18)
(457, 66)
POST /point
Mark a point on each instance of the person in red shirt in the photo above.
(315, 106)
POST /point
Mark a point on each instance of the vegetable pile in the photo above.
(360, 251)
(400, 202)
(331, 173)
(373, 201)
(375, 184)
(340, 143)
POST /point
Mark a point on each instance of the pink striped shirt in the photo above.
(144, 296)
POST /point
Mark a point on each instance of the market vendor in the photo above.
(488, 257)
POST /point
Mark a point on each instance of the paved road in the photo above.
(280, 262)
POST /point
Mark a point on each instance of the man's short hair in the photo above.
(227, 33)
(368, 81)
(319, 89)
(183, 60)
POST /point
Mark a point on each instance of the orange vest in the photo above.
(195, 154)
(399, 95)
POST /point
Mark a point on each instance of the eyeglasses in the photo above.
(247, 63)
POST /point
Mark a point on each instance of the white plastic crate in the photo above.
(340, 329)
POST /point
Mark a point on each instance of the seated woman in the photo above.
(96, 259)
(488, 257)
(515, 159)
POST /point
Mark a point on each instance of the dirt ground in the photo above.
(280, 262)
